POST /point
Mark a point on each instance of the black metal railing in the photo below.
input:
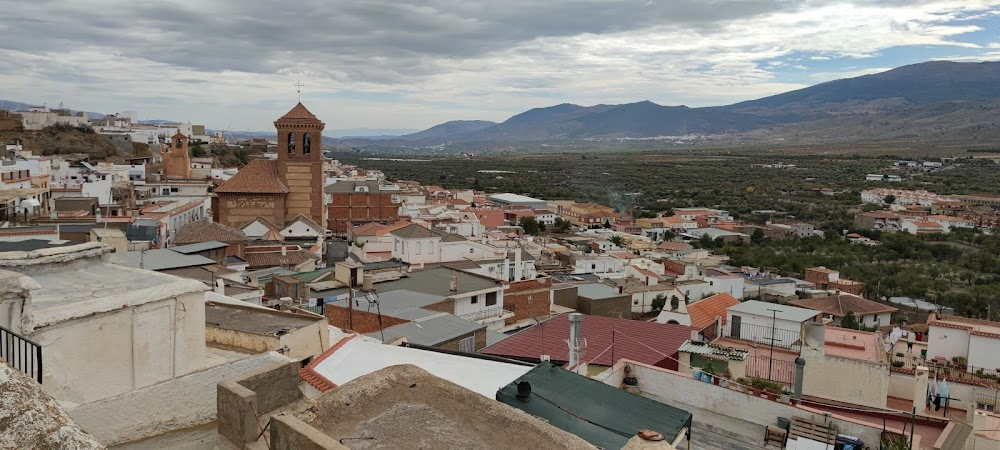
(987, 402)
(763, 334)
(762, 366)
(21, 353)
(943, 369)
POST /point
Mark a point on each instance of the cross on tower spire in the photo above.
(298, 89)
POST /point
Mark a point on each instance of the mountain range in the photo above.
(945, 100)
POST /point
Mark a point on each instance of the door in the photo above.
(734, 327)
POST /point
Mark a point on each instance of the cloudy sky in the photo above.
(385, 64)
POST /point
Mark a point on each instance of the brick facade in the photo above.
(176, 159)
(363, 321)
(350, 207)
(529, 299)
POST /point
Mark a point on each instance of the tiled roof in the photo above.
(263, 221)
(258, 177)
(414, 231)
(274, 259)
(674, 246)
(704, 311)
(716, 351)
(839, 305)
(306, 220)
(205, 231)
(646, 342)
(299, 112)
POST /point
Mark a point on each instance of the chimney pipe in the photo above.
(369, 283)
(575, 320)
(800, 373)
(454, 281)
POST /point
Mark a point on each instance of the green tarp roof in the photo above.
(598, 413)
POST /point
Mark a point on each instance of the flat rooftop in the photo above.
(431, 281)
(253, 320)
(407, 407)
(88, 286)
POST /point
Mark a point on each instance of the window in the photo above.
(467, 345)
(635, 302)
(419, 249)
(305, 143)
(474, 300)
(291, 142)
(472, 250)
(491, 299)
(593, 266)
(179, 144)
(430, 247)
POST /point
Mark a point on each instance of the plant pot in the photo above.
(772, 396)
(696, 374)
(715, 380)
(756, 391)
(785, 398)
(724, 383)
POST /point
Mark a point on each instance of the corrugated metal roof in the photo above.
(198, 247)
(646, 342)
(159, 259)
(431, 330)
(701, 348)
(785, 312)
(580, 405)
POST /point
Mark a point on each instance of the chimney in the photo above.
(800, 375)
(920, 389)
(575, 319)
(369, 283)
(454, 281)
(518, 271)
(814, 337)
(220, 287)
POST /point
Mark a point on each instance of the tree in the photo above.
(889, 199)
(541, 226)
(850, 321)
(197, 151)
(757, 236)
(658, 302)
(618, 241)
(529, 224)
(561, 225)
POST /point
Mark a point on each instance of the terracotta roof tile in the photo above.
(646, 342)
(839, 305)
(258, 177)
(205, 231)
(306, 220)
(274, 259)
(704, 311)
(299, 112)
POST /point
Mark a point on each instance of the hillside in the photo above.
(932, 100)
(64, 140)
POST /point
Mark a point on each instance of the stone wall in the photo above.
(241, 400)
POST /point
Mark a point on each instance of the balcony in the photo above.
(21, 353)
(488, 315)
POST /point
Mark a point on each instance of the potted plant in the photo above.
(897, 364)
(756, 387)
(741, 384)
(786, 395)
(709, 369)
(728, 375)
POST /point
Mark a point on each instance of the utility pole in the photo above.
(774, 322)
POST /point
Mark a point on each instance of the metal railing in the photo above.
(21, 353)
(987, 402)
(943, 369)
(761, 334)
(762, 366)
(486, 314)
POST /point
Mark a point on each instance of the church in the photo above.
(279, 191)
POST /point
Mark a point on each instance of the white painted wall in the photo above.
(730, 285)
(984, 352)
(597, 265)
(184, 402)
(876, 319)
(846, 380)
(112, 353)
(947, 342)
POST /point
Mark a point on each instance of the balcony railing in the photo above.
(765, 335)
(21, 353)
(487, 314)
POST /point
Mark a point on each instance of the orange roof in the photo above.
(674, 246)
(299, 112)
(258, 177)
(926, 224)
(704, 311)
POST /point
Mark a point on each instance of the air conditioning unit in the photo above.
(546, 358)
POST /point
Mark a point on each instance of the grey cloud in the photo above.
(372, 41)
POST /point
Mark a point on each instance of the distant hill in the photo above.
(11, 105)
(448, 130)
(371, 133)
(928, 91)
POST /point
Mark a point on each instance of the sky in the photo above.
(233, 64)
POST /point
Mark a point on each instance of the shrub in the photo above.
(897, 364)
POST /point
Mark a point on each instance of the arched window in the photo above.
(305, 143)
(291, 142)
(178, 144)
(419, 247)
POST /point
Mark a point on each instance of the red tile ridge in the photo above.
(311, 376)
